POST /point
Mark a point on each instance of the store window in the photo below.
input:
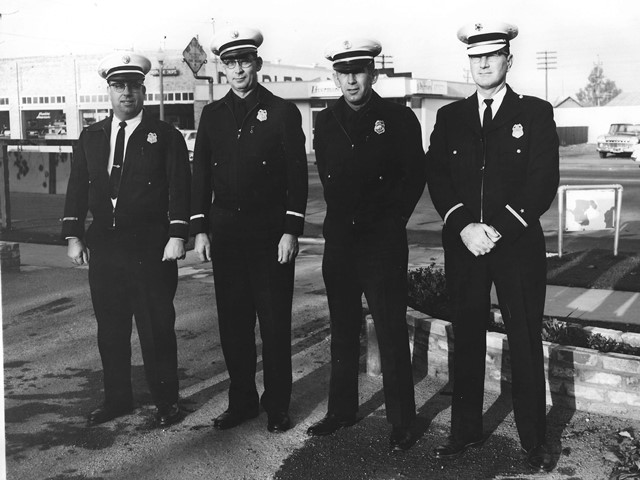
(91, 116)
(44, 124)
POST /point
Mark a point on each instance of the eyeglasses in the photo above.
(120, 86)
(233, 62)
(491, 57)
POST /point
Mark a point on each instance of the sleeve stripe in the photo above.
(515, 214)
(179, 221)
(69, 219)
(199, 215)
(296, 214)
(451, 210)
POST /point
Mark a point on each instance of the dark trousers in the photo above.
(519, 274)
(132, 280)
(376, 265)
(249, 281)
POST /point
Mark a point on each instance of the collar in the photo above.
(263, 96)
(497, 100)
(132, 123)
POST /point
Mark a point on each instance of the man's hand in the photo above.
(477, 237)
(77, 252)
(174, 250)
(202, 247)
(287, 248)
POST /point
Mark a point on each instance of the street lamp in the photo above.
(161, 56)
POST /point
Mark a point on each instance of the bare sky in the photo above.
(420, 35)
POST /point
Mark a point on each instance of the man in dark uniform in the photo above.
(132, 171)
(250, 153)
(492, 172)
(372, 167)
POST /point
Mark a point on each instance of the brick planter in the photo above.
(579, 378)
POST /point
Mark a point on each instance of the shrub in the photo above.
(428, 294)
(428, 291)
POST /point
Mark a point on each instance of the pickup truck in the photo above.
(621, 139)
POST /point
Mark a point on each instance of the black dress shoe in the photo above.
(105, 414)
(330, 424)
(539, 458)
(278, 422)
(454, 447)
(168, 415)
(400, 439)
(233, 418)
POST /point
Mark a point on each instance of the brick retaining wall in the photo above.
(579, 378)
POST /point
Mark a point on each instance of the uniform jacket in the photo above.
(261, 166)
(154, 188)
(507, 181)
(372, 174)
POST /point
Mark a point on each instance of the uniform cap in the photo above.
(235, 41)
(124, 63)
(482, 38)
(348, 54)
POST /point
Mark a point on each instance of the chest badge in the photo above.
(262, 115)
(517, 131)
(379, 127)
(152, 138)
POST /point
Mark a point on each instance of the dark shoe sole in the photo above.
(473, 444)
(331, 432)
(279, 428)
(93, 421)
(241, 420)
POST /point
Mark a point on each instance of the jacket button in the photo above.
(455, 152)
(215, 164)
(264, 163)
(380, 177)
(328, 176)
(518, 151)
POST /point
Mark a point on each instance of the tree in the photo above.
(600, 90)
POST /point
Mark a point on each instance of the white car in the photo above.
(190, 139)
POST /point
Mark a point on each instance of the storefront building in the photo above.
(54, 98)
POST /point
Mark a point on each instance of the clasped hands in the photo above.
(479, 238)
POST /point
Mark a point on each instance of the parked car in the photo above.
(621, 139)
(190, 138)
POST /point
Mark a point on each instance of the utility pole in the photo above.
(547, 61)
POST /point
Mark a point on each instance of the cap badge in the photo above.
(126, 59)
(478, 27)
(379, 127)
(235, 34)
(517, 131)
(262, 115)
(152, 137)
(347, 44)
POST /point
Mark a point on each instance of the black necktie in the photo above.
(487, 117)
(118, 161)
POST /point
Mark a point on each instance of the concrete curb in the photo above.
(578, 378)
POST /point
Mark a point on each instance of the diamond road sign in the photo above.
(194, 55)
